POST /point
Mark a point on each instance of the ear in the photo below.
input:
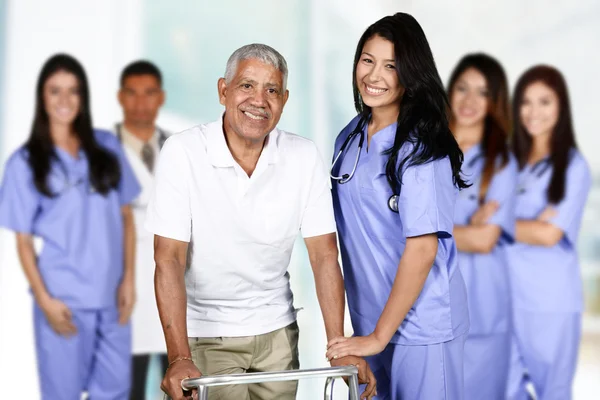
(222, 88)
(286, 95)
(162, 98)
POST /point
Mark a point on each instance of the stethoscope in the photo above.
(74, 183)
(357, 132)
(345, 178)
(543, 166)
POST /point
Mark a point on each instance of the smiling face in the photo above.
(376, 76)
(61, 98)
(469, 98)
(539, 110)
(253, 99)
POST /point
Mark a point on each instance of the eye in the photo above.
(246, 85)
(367, 60)
(273, 91)
(390, 66)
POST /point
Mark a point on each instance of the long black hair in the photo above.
(563, 135)
(497, 118)
(424, 107)
(104, 170)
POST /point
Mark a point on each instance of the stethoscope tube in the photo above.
(344, 178)
(358, 131)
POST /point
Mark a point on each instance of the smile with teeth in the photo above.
(253, 116)
(374, 91)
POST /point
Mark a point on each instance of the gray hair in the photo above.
(261, 52)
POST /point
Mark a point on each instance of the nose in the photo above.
(259, 98)
(375, 74)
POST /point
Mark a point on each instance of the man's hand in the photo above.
(59, 317)
(177, 372)
(484, 213)
(365, 375)
(126, 299)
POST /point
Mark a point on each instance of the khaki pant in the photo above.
(273, 351)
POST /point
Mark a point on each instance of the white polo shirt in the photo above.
(242, 229)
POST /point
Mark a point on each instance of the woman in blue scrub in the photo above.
(396, 174)
(554, 182)
(71, 186)
(484, 218)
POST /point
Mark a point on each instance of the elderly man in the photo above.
(242, 189)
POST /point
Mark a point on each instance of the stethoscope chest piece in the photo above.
(393, 203)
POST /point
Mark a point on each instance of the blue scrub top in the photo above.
(548, 279)
(486, 275)
(372, 240)
(82, 260)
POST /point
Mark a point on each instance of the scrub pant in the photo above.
(428, 372)
(546, 347)
(97, 359)
(487, 359)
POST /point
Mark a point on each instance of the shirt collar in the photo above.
(219, 154)
(136, 143)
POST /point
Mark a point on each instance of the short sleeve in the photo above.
(427, 199)
(318, 218)
(503, 190)
(19, 198)
(578, 182)
(168, 212)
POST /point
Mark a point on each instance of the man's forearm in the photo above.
(171, 299)
(330, 292)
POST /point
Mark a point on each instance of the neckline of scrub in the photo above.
(66, 156)
(382, 134)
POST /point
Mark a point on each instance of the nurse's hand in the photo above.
(365, 375)
(126, 300)
(484, 213)
(59, 317)
(548, 213)
(360, 346)
(171, 383)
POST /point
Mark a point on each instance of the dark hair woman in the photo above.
(71, 186)
(396, 174)
(554, 183)
(484, 222)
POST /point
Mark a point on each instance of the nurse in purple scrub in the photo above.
(396, 174)
(554, 182)
(484, 218)
(71, 186)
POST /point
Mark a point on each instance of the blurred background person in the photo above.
(553, 186)
(71, 185)
(395, 177)
(141, 96)
(484, 218)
